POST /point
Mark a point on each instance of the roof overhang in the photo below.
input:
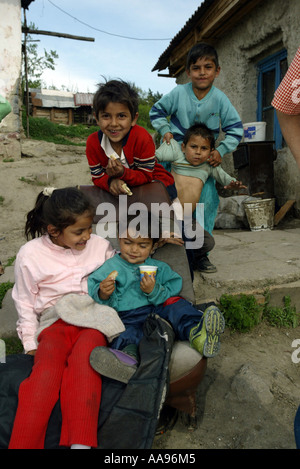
(209, 23)
(25, 3)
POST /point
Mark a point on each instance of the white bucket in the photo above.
(260, 214)
(254, 131)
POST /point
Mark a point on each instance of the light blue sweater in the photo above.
(128, 294)
(185, 109)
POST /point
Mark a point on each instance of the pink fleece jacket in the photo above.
(44, 272)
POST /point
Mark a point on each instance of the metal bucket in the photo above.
(260, 214)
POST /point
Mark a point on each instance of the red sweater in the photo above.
(139, 151)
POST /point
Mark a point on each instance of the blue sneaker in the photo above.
(205, 337)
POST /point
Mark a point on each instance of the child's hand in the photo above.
(116, 187)
(215, 158)
(114, 168)
(147, 283)
(106, 288)
(235, 185)
(170, 238)
(168, 137)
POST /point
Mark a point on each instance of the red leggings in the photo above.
(61, 370)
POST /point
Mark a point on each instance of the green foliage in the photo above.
(144, 119)
(280, 317)
(43, 129)
(13, 345)
(146, 101)
(1, 199)
(37, 64)
(4, 287)
(241, 312)
(145, 104)
(10, 261)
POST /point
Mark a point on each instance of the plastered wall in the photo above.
(10, 70)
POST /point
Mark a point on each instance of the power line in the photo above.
(106, 32)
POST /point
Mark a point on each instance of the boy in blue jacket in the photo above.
(200, 101)
(117, 283)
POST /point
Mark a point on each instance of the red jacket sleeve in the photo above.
(97, 160)
(139, 151)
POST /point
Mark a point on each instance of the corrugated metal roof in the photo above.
(83, 99)
(163, 60)
(54, 98)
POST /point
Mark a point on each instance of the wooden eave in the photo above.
(209, 23)
(25, 3)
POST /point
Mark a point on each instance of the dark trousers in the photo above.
(181, 314)
(194, 255)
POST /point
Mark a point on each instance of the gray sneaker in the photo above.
(113, 363)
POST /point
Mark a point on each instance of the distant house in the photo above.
(84, 108)
(56, 106)
(62, 107)
(256, 40)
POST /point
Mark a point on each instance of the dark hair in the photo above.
(147, 225)
(116, 91)
(61, 209)
(203, 131)
(200, 51)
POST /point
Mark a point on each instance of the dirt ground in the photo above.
(250, 393)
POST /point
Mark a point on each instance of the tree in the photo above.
(36, 64)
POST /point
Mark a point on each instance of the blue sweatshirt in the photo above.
(128, 294)
(185, 109)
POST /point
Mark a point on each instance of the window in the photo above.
(270, 73)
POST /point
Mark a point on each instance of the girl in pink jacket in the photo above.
(50, 281)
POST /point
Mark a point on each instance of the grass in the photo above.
(285, 316)
(243, 312)
(32, 181)
(13, 345)
(43, 129)
(4, 287)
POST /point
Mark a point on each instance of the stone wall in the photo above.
(10, 71)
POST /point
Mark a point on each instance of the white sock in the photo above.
(80, 447)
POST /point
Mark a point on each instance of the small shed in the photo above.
(57, 106)
(84, 108)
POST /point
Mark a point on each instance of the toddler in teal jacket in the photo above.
(117, 283)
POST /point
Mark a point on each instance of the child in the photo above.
(47, 269)
(136, 298)
(200, 101)
(189, 164)
(191, 170)
(122, 151)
